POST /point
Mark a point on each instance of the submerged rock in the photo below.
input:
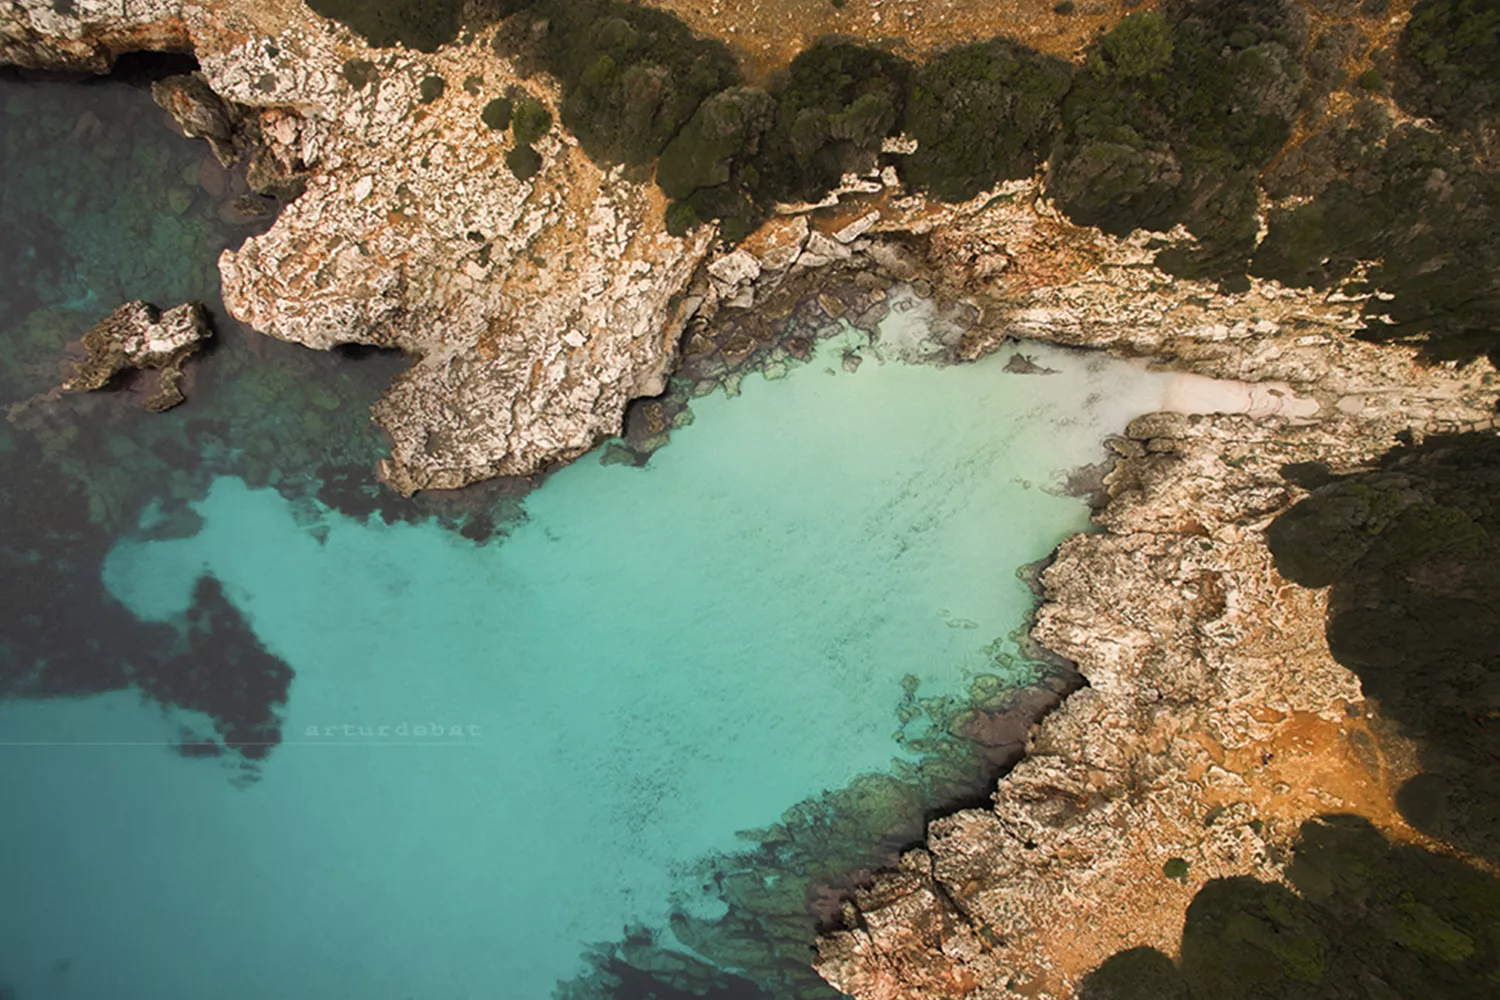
(202, 113)
(137, 336)
(1020, 364)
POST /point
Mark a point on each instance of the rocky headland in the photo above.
(535, 309)
(1300, 276)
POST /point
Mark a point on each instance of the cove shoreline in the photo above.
(1179, 483)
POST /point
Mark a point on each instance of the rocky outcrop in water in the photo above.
(536, 309)
(200, 112)
(136, 336)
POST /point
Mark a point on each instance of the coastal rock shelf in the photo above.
(536, 309)
(1215, 722)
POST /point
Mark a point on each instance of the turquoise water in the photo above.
(493, 758)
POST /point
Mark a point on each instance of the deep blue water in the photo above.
(268, 732)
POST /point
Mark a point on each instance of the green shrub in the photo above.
(836, 104)
(743, 148)
(982, 113)
(531, 121)
(727, 126)
(1172, 119)
(1430, 214)
(681, 218)
(358, 73)
(497, 113)
(524, 162)
(1140, 46)
(1449, 57)
(432, 88)
(632, 76)
(737, 213)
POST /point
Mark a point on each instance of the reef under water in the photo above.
(259, 741)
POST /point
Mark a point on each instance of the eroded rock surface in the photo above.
(136, 336)
(1215, 721)
(200, 112)
(535, 309)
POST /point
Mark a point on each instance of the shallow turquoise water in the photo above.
(657, 659)
(493, 757)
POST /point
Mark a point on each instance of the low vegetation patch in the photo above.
(1450, 58)
(982, 114)
(1172, 119)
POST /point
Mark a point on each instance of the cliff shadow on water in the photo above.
(105, 201)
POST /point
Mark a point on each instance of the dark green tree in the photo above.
(1172, 120)
(981, 114)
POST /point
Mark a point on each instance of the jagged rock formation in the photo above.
(137, 336)
(200, 112)
(1215, 721)
(535, 309)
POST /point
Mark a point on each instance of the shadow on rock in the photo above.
(1412, 552)
(1368, 920)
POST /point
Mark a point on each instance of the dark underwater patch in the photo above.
(67, 637)
(789, 882)
(220, 668)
